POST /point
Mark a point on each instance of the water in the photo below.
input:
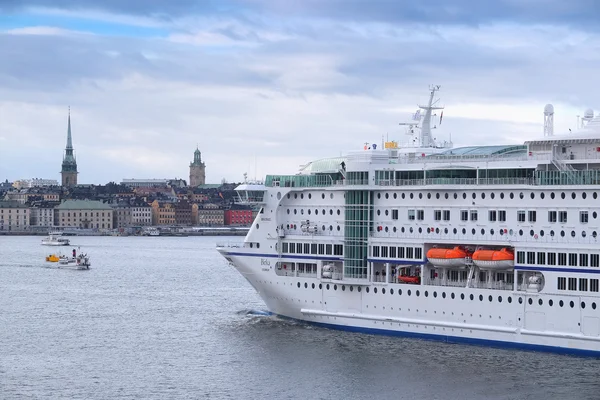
(167, 318)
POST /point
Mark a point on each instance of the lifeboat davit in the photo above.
(447, 258)
(494, 259)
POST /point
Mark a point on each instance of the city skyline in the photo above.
(264, 87)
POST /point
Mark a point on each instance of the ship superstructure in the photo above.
(484, 244)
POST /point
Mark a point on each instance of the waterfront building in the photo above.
(84, 214)
(197, 170)
(42, 214)
(122, 215)
(183, 213)
(210, 214)
(131, 214)
(163, 213)
(238, 217)
(69, 164)
(141, 215)
(14, 216)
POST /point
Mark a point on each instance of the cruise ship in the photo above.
(491, 245)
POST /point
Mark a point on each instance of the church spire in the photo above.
(69, 139)
(69, 164)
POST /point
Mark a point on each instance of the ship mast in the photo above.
(425, 138)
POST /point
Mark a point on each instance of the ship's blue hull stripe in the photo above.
(459, 340)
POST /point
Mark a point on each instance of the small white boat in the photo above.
(151, 231)
(82, 261)
(55, 239)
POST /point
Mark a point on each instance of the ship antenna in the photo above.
(425, 134)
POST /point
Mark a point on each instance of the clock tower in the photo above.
(197, 170)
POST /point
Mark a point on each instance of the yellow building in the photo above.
(163, 213)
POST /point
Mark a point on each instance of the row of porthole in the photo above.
(452, 295)
(492, 195)
(309, 195)
(387, 213)
(293, 226)
(309, 211)
(492, 231)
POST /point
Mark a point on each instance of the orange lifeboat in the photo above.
(447, 258)
(494, 259)
(409, 279)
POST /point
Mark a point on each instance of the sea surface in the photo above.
(168, 318)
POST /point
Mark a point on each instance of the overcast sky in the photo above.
(265, 86)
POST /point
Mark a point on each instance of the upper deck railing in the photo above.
(565, 176)
(299, 181)
(455, 181)
(541, 178)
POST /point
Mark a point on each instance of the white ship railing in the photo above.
(575, 177)
(466, 157)
(455, 181)
(475, 285)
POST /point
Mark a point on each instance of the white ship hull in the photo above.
(439, 317)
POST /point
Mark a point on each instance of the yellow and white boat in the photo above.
(53, 258)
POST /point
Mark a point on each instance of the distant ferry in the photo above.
(55, 239)
(151, 231)
(492, 245)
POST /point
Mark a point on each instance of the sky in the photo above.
(263, 87)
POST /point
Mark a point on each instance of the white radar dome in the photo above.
(549, 109)
(589, 113)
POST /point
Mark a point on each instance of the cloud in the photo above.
(138, 7)
(311, 83)
(37, 30)
(575, 13)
